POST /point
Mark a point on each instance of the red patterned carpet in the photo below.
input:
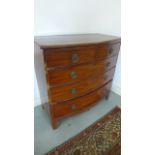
(101, 138)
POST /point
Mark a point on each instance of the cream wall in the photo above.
(79, 16)
(36, 92)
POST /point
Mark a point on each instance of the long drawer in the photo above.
(79, 104)
(64, 93)
(77, 73)
(62, 57)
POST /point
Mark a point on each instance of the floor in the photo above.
(45, 138)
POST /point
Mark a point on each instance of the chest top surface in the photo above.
(55, 41)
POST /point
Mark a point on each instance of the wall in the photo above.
(79, 16)
(36, 92)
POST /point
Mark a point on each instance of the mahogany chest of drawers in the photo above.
(79, 70)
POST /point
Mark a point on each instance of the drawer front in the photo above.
(64, 93)
(105, 51)
(77, 73)
(79, 104)
(68, 56)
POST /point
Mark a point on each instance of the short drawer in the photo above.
(77, 73)
(62, 57)
(77, 105)
(64, 93)
(105, 50)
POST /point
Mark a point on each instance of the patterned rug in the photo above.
(101, 138)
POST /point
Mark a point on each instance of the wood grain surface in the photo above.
(77, 105)
(64, 93)
(77, 73)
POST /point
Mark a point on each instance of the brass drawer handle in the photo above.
(73, 107)
(111, 51)
(73, 75)
(108, 64)
(73, 91)
(75, 58)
